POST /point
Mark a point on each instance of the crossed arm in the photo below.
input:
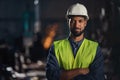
(70, 74)
(53, 72)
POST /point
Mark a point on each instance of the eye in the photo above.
(80, 21)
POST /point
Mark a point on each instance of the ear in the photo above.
(68, 22)
(86, 22)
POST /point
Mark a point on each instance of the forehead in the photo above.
(77, 18)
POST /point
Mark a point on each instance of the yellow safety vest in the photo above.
(84, 57)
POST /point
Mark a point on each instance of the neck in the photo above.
(78, 38)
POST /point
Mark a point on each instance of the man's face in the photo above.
(77, 25)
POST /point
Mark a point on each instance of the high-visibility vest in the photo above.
(84, 57)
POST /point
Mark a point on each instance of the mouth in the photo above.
(77, 30)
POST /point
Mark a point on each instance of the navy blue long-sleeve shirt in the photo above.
(53, 70)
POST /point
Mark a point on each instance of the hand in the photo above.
(84, 71)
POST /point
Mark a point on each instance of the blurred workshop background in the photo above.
(28, 28)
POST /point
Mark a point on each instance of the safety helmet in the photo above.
(77, 9)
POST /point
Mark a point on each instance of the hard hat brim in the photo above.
(70, 16)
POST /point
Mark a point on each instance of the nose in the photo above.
(76, 24)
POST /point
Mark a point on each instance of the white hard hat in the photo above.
(77, 9)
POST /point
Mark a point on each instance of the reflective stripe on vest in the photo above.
(84, 57)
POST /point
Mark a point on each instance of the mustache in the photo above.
(76, 28)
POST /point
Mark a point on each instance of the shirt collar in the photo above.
(75, 43)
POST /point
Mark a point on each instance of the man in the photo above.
(75, 58)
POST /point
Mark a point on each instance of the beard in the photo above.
(76, 33)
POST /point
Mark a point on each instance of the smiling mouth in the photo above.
(77, 29)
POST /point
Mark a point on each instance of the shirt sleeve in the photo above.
(52, 66)
(97, 67)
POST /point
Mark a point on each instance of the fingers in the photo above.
(84, 71)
